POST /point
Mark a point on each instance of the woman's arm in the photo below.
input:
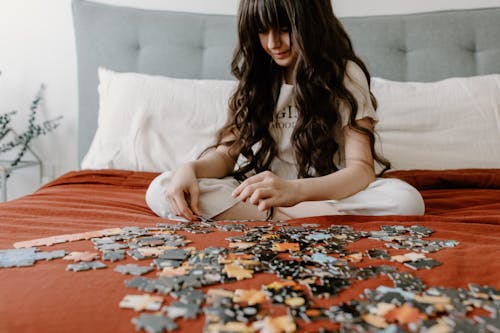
(216, 163)
(268, 190)
(183, 191)
(356, 176)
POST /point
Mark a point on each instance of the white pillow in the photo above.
(448, 124)
(154, 123)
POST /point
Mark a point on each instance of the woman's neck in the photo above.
(288, 75)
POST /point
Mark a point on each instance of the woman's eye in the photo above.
(284, 29)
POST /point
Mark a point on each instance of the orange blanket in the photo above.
(461, 205)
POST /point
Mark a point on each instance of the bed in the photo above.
(434, 74)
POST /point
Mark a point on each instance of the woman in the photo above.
(299, 139)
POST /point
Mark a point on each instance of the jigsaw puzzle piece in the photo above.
(133, 269)
(85, 266)
(67, 238)
(279, 324)
(17, 257)
(154, 323)
(82, 256)
(141, 302)
(50, 255)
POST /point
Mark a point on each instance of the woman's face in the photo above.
(278, 45)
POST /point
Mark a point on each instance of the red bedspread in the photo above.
(461, 205)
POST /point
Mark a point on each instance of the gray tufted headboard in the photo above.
(417, 47)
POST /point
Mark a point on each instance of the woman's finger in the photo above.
(265, 204)
(173, 206)
(250, 181)
(248, 191)
(237, 191)
(183, 208)
(259, 194)
(194, 201)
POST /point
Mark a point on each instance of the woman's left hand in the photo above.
(266, 190)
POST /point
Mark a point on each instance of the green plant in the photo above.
(34, 130)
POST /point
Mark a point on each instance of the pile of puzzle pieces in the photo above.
(310, 264)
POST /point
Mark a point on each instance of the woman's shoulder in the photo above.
(356, 82)
(355, 75)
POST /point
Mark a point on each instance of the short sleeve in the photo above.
(355, 81)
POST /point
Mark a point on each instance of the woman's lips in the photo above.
(280, 55)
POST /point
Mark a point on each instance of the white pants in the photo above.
(384, 196)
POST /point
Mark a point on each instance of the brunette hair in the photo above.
(324, 49)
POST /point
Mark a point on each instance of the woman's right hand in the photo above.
(183, 193)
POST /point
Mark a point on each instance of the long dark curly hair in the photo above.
(323, 51)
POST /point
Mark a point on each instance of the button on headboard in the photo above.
(417, 47)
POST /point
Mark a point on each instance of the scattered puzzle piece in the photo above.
(232, 326)
(82, 256)
(142, 302)
(133, 269)
(26, 257)
(238, 272)
(355, 257)
(286, 246)
(85, 266)
(461, 324)
(181, 309)
(322, 258)
(112, 247)
(241, 245)
(17, 257)
(491, 323)
(276, 325)
(67, 238)
(404, 315)
(484, 291)
(136, 254)
(295, 301)
(175, 254)
(378, 254)
(406, 281)
(113, 255)
(439, 326)
(250, 296)
(189, 296)
(435, 300)
(213, 294)
(318, 236)
(154, 323)
(245, 259)
(50, 255)
(174, 271)
(149, 252)
(375, 320)
(102, 241)
(422, 263)
(411, 256)
(382, 308)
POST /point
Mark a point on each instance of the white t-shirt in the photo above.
(286, 114)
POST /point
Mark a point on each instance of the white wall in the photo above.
(37, 45)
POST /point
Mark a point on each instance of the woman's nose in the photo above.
(273, 39)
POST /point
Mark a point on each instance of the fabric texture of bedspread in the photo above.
(461, 205)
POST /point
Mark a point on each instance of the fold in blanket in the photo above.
(450, 179)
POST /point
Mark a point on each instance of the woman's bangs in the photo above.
(269, 14)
